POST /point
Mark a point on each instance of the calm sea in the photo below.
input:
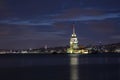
(59, 67)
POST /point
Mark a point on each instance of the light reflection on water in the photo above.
(94, 68)
(74, 62)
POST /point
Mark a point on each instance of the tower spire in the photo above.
(73, 29)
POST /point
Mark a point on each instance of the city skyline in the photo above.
(35, 23)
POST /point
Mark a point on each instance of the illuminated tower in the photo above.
(73, 43)
(74, 48)
(73, 40)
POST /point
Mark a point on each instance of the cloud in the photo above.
(70, 15)
(4, 10)
(87, 15)
(22, 36)
(102, 26)
(75, 12)
(23, 32)
(26, 22)
(115, 37)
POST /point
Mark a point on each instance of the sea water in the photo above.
(59, 67)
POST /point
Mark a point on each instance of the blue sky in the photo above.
(35, 23)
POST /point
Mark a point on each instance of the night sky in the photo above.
(35, 23)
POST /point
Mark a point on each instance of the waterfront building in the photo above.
(117, 50)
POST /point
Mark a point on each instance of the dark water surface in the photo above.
(59, 67)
